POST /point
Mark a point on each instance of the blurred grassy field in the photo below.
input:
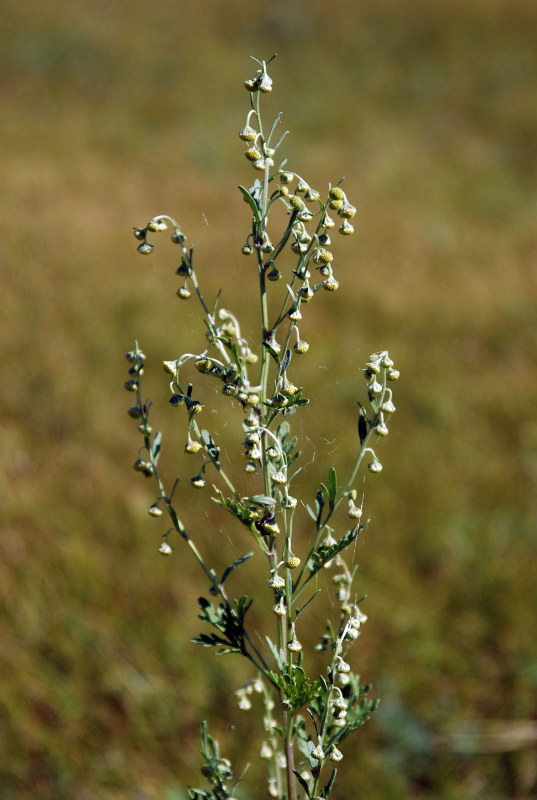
(112, 112)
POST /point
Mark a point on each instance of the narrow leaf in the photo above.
(332, 484)
(253, 205)
(233, 566)
(302, 782)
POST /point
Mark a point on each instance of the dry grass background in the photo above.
(112, 112)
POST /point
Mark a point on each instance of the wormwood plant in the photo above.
(305, 718)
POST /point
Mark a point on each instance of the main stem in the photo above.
(283, 626)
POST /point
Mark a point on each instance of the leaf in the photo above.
(302, 782)
(156, 449)
(295, 685)
(233, 566)
(319, 502)
(213, 451)
(332, 484)
(362, 424)
(261, 499)
(272, 352)
(253, 205)
(328, 788)
(285, 361)
(324, 554)
(279, 656)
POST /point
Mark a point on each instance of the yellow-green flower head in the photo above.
(335, 204)
(192, 447)
(252, 154)
(336, 193)
(292, 562)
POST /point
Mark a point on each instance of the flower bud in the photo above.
(334, 754)
(322, 256)
(295, 314)
(279, 609)
(346, 229)
(183, 293)
(347, 211)
(204, 365)
(157, 225)
(197, 482)
(306, 293)
(274, 274)
(154, 510)
(374, 387)
(286, 177)
(145, 248)
(271, 528)
(294, 646)
(247, 250)
(135, 412)
(265, 84)
(276, 582)
(165, 549)
(192, 447)
(139, 233)
(335, 205)
(311, 196)
(381, 429)
(330, 284)
(247, 134)
(318, 753)
(288, 501)
(375, 466)
(336, 193)
(301, 347)
(388, 407)
(393, 374)
(131, 386)
(177, 237)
